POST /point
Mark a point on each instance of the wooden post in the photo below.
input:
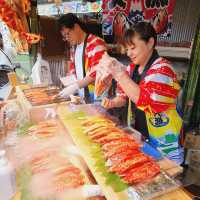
(191, 101)
(34, 27)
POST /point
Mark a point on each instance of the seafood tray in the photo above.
(43, 95)
(31, 102)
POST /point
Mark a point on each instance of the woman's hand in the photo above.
(107, 103)
(116, 102)
(111, 66)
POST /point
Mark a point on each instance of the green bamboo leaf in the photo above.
(119, 186)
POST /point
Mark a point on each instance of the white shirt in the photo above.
(79, 65)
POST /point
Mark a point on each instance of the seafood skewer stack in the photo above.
(121, 151)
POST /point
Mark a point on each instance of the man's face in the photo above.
(70, 35)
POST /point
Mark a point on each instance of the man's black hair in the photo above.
(69, 20)
(144, 29)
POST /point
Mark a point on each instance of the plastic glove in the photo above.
(107, 103)
(66, 92)
(111, 66)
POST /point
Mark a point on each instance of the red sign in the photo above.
(118, 15)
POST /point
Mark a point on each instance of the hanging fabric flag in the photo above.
(31, 38)
(9, 16)
(118, 15)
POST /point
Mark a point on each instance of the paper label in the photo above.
(50, 113)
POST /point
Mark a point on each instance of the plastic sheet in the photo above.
(13, 115)
(103, 82)
(161, 184)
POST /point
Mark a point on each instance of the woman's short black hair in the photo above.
(69, 20)
(144, 29)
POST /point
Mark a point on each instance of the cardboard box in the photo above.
(192, 140)
(194, 160)
(192, 176)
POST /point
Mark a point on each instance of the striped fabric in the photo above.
(159, 88)
(94, 50)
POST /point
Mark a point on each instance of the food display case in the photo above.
(54, 144)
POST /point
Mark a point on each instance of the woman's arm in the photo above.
(158, 90)
(130, 88)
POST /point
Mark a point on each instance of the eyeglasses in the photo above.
(66, 33)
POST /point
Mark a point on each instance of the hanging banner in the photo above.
(69, 7)
(118, 15)
(7, 40)
(9, 16)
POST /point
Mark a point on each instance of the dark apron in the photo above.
(140, 119)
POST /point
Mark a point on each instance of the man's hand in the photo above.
(66, 92)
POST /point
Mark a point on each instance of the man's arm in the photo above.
(85, 81)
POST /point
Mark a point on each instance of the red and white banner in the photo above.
(118, 15)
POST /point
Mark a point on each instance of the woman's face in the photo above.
(138, 51)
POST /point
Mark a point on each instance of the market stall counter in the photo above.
(72, 126)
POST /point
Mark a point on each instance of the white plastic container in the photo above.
(7, 178)
(41, 73)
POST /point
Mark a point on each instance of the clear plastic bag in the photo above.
(103, 82)
(13, 115)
